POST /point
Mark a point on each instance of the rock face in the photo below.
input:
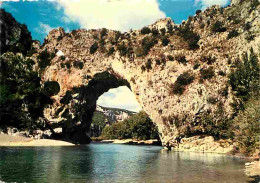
(15, 37)
(90, 62)
(104, 116)
(114, 115)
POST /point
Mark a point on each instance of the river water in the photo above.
(115, 163)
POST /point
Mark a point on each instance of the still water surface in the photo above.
(115, 163)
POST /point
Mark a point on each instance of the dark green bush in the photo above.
(22, 99)
(221, 73)
(196, 65)
(232, 34)
(62, 57)
(93, 48)
(198, 12)
(155, 32)
(147, 43)
(122, 49)
(111, 51)
(51, 88)
(67, 64)
(170, 57)
(247, 26)
(148, 64)
(165, 40)
(207, 73)
(218, 27)
(145, 30)
(67, 98)
(163, 31)
(247, 128)
(138, 126)
(103, 32)
(254, 4)
(143, 68)
(245, 79)
(189, 36)
(202, 25)
(208, 59)
(183, 80)
(181, 59)
(44, 60)
(78, 64)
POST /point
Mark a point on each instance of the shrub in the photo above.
(196, 66)
(93, 48)
(62, 58)
(155, 32)
(67, 64)
(122, 49)
(165, 41)
(111, 50)
(245, 79)
(207, 73)
(254, 4)
(67, 98)
(44, 59)
(232, 34)
(138, 126)
(247, 26)
(189, 36)
(212, 100)
(218, 27)
(170, 57)
(208, 59)
(78, 64)
(202, 25)
(221, 73)
(198, 12)
(183, 80)
(143, 68)
(103, 32)
(51, 88)
(181, 59)
(62, 65)
(147, 43)
(158, 62)
(163, 31)
(145, 30)
(250, 37)
(247, 128)
(148, 64)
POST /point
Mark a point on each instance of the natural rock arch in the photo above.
(150, 67)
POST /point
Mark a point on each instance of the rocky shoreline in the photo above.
(253, 170)
(204, 144)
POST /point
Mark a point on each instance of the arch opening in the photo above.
(116, 105)
(81, 103)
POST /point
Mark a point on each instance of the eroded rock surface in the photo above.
(88, 63)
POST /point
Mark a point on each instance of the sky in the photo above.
(42, 16)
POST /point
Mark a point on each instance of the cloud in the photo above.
(44, 28)
(112, 14)
(207, 3)
(120, 97)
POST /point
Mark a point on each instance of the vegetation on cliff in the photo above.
(22, 98)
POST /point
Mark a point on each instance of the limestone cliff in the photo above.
(178, 73)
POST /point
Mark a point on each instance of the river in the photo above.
(115, 163)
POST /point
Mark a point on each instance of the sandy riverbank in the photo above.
(7, 140)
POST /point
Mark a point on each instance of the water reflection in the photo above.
(115, 163)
